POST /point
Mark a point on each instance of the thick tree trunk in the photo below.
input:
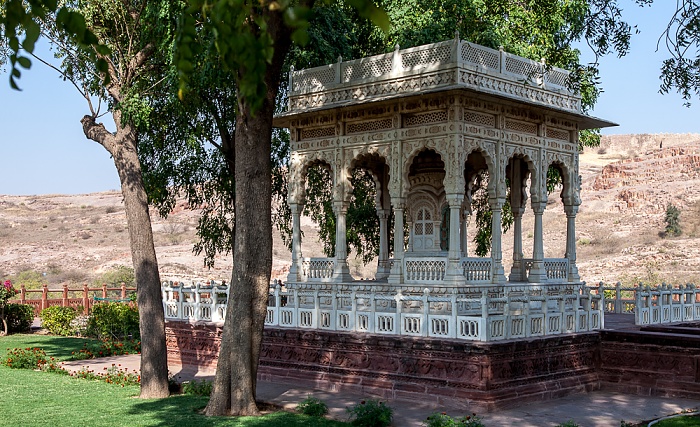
(123, 148)
(236, 372)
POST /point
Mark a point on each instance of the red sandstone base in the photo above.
(483, 376)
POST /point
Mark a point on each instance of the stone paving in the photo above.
(596, 409)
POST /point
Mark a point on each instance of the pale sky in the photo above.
(43, 149)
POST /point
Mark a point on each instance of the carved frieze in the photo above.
(368, 126)
(518, 90)
(422, 119)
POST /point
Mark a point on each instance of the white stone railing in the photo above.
(617, 299)
(424, 269)
(556, 269)
(428, 58)
(505, 316)
(195, 301)
(317, 269)
(485, 313)
(666, 304)
(477, 270)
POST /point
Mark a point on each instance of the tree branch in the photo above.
(98, 133)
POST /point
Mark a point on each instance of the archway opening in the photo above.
(425, 204)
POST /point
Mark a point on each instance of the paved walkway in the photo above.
(597, 409)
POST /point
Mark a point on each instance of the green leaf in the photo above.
(103, 50)
(13, 84)
(24, 62)
(300, 36)
(367, 9)
(32, 32)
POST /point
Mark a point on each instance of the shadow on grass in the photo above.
(187, 410)
(55, 346)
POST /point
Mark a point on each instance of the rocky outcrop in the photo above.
(651, 180)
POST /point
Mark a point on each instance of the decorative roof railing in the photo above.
(477, 66)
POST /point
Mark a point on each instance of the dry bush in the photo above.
(68, 277)
(603, 243)
(110, 209)
(175, 268)
(690, 220)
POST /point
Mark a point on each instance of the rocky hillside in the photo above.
(627, 183)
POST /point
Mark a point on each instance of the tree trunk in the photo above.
(236, 371)
(123, 148)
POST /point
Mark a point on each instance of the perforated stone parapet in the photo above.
(366, 68)
(314, 79)
(481, 55)
(425, 57)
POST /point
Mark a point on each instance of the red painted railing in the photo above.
(86, 300)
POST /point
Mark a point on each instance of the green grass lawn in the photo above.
(687, 421)
(31, 398)
(54, 346)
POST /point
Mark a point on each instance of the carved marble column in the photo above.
(571, 211)
(496, 205)
(396, 276)
(463, 233)
(454, 273)
(342, 271)
(295, 271)
(518, 199)
(383, 269)
(537, 271)
(517, 274)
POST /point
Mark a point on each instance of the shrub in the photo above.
(313, 407)
(114, 321)
(672, 219)
(106, 348)
(57, 320)
(371, 413)
(197, 388)
(444, 420)
(25, 358)
(52, 365)
(19, 317)
(31, 279)
(116, 276)
(111, 375)
(79, 324)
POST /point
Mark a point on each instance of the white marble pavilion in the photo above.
(425, 121)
